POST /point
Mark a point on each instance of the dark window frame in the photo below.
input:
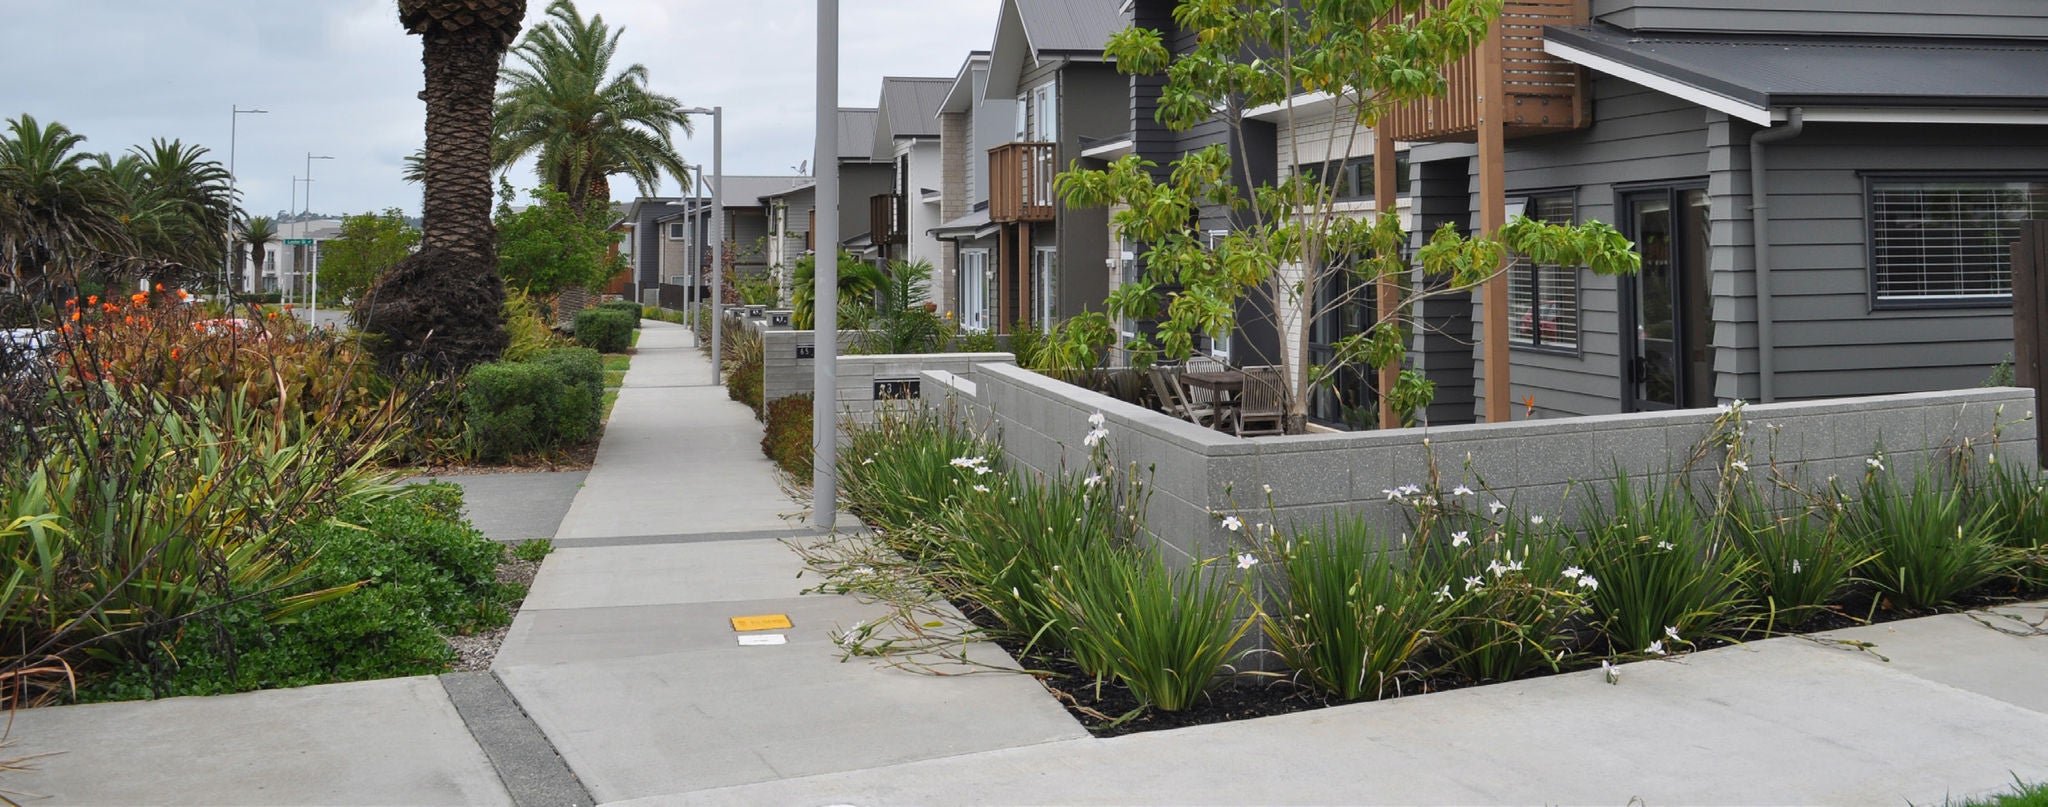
(1577, 349)
(1874, 301)
(1356, 174)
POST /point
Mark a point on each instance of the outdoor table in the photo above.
(1228, 386)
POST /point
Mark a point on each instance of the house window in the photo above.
(1038, 115)
(677, 231)
(1045, 286)
(975, 308)
(1543, 300)
(1353, 178)
(1937, 241)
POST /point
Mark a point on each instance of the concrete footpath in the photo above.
(622, 681)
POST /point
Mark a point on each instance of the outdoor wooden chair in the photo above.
(1264, 409)
(1173, 399)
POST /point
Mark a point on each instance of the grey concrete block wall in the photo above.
(783, 374)
(858, 374)
(1552, 467)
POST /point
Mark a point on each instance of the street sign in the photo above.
(298, 242)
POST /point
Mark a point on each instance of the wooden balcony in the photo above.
(1020, 182)
(1543, 94)
(885, 218)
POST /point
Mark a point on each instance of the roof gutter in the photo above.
(1760, 242)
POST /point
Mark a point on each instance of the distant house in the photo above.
(907, 137)
(970, 123)
(747, 231)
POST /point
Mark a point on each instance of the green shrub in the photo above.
(1165, 634)
(1508, 600)
(422, 572)
(745, 368)
(1800, 562)
(534, 551)
(552, 402)
(605, 330)
(528, 329)
(626, 306)
(1925, 546)
(1004, 537)
(788, 437)
(1658, 568)
(2016, 509)
(1351, 616)
(897, 471)
(582, 373)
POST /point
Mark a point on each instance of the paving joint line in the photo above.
(526, 762)
(684, 538)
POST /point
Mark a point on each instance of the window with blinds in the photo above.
(1543, 301)
(1936, 241)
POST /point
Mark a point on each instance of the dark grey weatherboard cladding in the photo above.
(1794, 71)
(1972, 18)
(1638, 137)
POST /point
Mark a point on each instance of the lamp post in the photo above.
(313, 253)
(717, 235)
(691, 181)
(288, 284)
(227, 277)
(825, 300)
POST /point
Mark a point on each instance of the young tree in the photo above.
(369, 245)
(1295, 244)
(553, 244)
(258, 234)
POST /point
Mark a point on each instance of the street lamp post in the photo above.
(691, 181)
(313, 253)
(825, 299)
(227, 277)
(717, 235)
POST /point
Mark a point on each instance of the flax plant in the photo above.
(1926, 543)
(1352, 615)
(1167, 634)
(1664, 573)
(1509, 589)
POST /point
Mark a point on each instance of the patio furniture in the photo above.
(1262, 406)
(1225, 388)
(1173, 400)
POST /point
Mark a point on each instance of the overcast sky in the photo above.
(340, 78)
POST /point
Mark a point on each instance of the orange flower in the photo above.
(92, 299)
(109, 307)
(74, 316)
(139, 297)
(199, 327)
(1528, 405)
(159, 287)
(183, 295)
(273, 315)
(174, 354)
(71, 303)
(287, 306)
(128, 320)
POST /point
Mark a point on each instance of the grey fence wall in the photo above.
(866, 382)
(1198, 475)
(785, 372)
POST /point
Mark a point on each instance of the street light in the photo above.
(717, 234)
(228, 260)
(313, 255)
(693, 175)
(825, 300)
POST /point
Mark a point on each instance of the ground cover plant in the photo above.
(1059, 570)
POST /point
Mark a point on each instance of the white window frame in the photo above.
(678, 231)
(974, 280)
(1042, 124)
(1045, 286)
(1219, 346)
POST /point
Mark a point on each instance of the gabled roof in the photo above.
(960, 98)
(857, 134)
(909, 108)
(1875, 79)
(1027, 30)
(744, 191)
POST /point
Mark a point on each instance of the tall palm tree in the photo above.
(440, 308)
(564, 104)
(259, 233)
(57, 214)
(177, 206)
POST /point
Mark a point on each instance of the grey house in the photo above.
(861, 179)
(1822, 198)
(969, 122)
(1047, 54)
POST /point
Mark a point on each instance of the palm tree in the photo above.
(586, 124)
(57, 214)
(440, 308)
(259, 233)
(177, 205)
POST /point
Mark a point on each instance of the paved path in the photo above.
(512, 507)
(622, 682)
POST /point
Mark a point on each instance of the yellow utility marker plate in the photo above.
(761, 622)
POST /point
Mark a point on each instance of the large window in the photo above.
(1353, 178)
(1543, 300)
(974, 287)
(1939, 241)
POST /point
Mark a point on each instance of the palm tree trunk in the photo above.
(461, 74)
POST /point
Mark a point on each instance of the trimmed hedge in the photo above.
(625, 306)
(515, 408)
(787, 440)
(606, 330)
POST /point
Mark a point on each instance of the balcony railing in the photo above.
(1543, 93)
(885, 218)
(1020, 182)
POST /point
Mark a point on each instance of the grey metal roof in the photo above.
(744, 191)
(856, 133)
(1830, 70)
(1070, 26)
(964, 226)
(961, 95)
(911, 105)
